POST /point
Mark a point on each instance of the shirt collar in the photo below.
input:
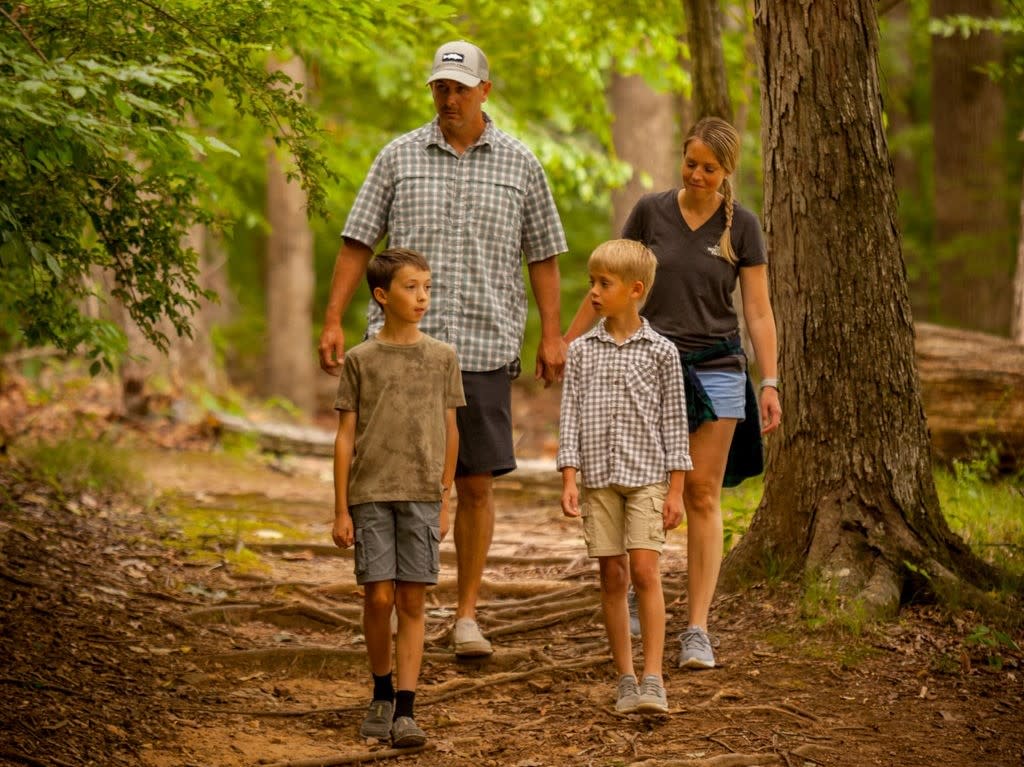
(643, 333)
(436, 137)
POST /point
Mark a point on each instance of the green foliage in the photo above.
(103, 142)
(82, 465)
(994, 643)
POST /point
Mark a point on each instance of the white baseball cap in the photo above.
(460, 61)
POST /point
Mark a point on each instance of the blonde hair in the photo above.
(629, 260)
(724, 140)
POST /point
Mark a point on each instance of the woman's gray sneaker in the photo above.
(377, 723)
(628, 694)
(695, 649)
(652, 696)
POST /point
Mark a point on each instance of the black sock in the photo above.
(403, 703)
(383, 688)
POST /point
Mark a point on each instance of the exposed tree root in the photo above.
(447, 555)
(722, 760)
(360, 757)
(296, 614)
(514, 676)
(529, 607)
(543, 621)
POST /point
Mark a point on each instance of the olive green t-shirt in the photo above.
(401, 394)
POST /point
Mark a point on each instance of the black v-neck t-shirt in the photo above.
(691, 300)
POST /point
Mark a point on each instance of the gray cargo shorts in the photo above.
(397, 541)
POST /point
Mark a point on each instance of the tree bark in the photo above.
(849, 494)
(289, 278)
(972, 227)
(704, 35)
(644, 134)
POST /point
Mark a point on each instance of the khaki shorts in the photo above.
(617, 519)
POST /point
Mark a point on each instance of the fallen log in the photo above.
(972, 385)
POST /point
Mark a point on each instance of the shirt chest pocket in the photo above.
(642, 385)
(419, 203)
(496, 212)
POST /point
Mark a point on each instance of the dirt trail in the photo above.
(122, 647)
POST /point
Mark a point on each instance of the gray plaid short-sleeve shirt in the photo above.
(474, 217)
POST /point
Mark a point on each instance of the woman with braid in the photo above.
(705, 242)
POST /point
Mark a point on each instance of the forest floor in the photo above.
(217, 625)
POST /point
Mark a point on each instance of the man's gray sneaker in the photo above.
(377, 723)
(628, 695)
(695, 649)
(634, 612)
(652, 696)
(405, 733)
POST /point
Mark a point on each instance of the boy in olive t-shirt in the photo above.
(394, 463)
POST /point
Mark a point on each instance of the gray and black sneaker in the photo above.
(695, 649)
(377, 723)
(405, 733)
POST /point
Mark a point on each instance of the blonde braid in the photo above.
(725, 244)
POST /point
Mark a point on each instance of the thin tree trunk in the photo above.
(1017, 332)
(289, 278)
(704, 35)
(849, 494)
(644, 133)
(972, 227)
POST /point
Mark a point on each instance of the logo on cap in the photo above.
(453, 57)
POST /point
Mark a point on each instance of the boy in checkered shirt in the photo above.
(623, 431)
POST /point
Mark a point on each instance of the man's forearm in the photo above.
(547, 292)
(349, 268)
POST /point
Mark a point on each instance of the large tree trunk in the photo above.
(849, 494)
(972, 228)
(289, 278)
(704, 35)
(644, 134)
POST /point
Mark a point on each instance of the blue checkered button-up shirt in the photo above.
(623, 418)
(474, 217)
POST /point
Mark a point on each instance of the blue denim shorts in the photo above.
(727, 390)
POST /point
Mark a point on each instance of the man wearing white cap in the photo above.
(475, 202)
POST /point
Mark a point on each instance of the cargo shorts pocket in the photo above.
(588, 521)
(657, 521)
(434, 549)
(360, 557)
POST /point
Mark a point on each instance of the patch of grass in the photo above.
(78, 465)
(823, 606)
(210, 535)
(988, 514)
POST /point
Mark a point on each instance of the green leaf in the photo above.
(215, 143)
